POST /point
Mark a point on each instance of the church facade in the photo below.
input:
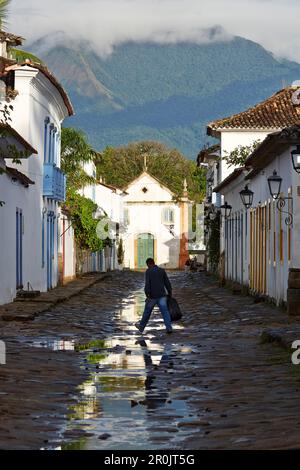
(156, 225)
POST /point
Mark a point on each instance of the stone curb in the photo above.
(28, 310)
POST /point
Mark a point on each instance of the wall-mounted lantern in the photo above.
(226, 210)
(274, 183)
(247, 197)
(296, 158)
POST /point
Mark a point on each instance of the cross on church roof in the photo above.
(145, 163)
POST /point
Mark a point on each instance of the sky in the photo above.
(106, 23)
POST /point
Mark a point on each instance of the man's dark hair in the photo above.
(150, 262)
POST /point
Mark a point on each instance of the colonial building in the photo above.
(253, 125)
(109, 202)
(261, 241)
(156, 224)
(29, 256)
(16, 190)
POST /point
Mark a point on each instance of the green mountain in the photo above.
(149, 91)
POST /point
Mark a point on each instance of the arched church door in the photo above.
(145, 249)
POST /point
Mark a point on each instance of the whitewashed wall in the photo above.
(38, 98)
(67, 247)
(14, 195)
(230, 140)
(277, 270)
(145, 216)
(111, 202)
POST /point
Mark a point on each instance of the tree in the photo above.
(240, 154)
(122, 165)
(75, 151)
(3, 12)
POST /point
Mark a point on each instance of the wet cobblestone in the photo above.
(80, 376)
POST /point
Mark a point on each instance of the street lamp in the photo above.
(274, 183)
(247, 197)
(296, 158)
(226, 210)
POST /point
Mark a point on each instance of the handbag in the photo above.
(174, 309)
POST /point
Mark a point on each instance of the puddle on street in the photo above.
(122, 404)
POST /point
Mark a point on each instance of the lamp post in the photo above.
(274, 182)
(296, 158)
(247, 197)
(226, 210)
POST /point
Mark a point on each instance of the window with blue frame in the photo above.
(43, 240)
(50, 142)
(46, 124)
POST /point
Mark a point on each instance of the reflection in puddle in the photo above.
(55, 345)
(124, 398)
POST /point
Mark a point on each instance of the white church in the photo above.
(156, 224)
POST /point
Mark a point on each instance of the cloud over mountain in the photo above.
(106, 23)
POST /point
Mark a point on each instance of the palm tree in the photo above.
(3, 12)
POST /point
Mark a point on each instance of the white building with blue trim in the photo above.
(30, 212)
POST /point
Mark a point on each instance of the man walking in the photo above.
(157, 282)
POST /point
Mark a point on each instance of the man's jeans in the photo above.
(163, 307)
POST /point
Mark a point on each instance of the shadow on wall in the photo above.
(173, 247)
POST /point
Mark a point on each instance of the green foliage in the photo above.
(4, 12)
(81, 211)
(75, 151)
(21, 56)
(122, 165)
(213, 245)
(240, 154)
(95, 343)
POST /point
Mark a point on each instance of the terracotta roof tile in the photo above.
(276, 112)
(50, 76)
(11, 38)
(235, 174)
(23, 179)
(12, 132)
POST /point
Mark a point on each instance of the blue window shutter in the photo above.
(43, 241)
(51, 136)
(17, 247)
(21, 248)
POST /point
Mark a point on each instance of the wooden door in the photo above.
(145, 249)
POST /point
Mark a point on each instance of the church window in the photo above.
(168, 216)
(126, 217)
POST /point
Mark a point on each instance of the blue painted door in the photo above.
(50, 249)
(19, 249)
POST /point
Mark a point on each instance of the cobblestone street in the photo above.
(80, 376)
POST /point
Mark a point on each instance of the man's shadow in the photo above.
(154, 398)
